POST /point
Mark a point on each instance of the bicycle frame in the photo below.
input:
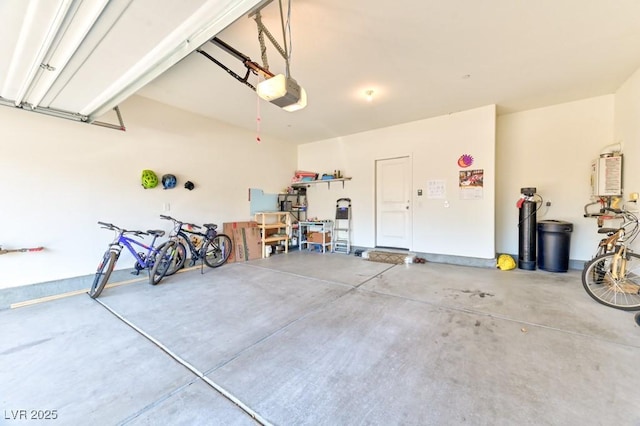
(182, 235)
(197, 253)
(210, 250)
(612, 277)
(150, 260)
(145, 261)
(623, 235)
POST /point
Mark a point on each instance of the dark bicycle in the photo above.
(210, 247)
(155, 259)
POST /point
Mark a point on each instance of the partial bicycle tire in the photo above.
(162, 262)
(103, 273)
(604, 281)
(178, 257)
(217, 250)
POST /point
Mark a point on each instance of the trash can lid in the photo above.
(555, 226)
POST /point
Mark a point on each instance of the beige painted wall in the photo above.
(465, 228)
(551, 149)
(627, 131)
(60, 177)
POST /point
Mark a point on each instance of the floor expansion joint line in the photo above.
(226, 394)
(158, 401)
(351, 290)
(293, 274)
(281, 329)
(374, 276)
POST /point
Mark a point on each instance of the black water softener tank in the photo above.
(527, 230)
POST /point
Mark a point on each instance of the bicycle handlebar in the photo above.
(609, 209)
(192, 225)
(113, 227)
(628, 216)
(616, 211)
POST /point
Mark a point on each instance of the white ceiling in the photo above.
(423, 58)
(80, 58)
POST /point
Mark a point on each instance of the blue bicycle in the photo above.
(156, 260)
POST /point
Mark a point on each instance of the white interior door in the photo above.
(393, 203)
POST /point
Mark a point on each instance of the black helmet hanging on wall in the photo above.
(169, 181)
(189, 185)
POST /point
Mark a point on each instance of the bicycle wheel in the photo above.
(163, 261)
(178, 256)
(217, 251)
(103, 273)
(614, 284)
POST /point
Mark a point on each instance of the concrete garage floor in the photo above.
(325, 339)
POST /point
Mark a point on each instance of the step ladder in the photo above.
(341, 238)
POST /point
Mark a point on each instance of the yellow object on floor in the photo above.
(506, 262)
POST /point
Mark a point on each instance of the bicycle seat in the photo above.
(210, 225)
(156, 232)
(607, 230)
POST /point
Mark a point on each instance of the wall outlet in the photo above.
(548, 203)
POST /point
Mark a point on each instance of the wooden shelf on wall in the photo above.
(313, 182)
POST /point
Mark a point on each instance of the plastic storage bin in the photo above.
(554, 242)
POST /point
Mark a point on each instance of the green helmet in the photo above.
(149, 179)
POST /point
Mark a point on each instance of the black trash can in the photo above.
(554, 242)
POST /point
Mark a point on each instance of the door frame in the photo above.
(410, 199)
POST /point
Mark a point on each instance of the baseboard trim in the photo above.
(41, 292)
(31, 294)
